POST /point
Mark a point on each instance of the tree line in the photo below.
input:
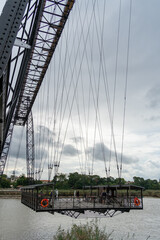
(78, 181)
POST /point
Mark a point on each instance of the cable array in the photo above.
(76, 85)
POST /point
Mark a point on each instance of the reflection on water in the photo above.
(18, 222)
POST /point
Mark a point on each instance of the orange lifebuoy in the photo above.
(136, 201)
(42, 202)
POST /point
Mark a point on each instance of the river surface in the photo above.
(18, 222)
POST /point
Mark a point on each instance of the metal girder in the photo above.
(6, 146)
(10, 20)
(30, 155)
(46, 37)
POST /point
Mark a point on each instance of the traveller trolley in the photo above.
(101, 200)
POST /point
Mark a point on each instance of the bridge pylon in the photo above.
(30, 151)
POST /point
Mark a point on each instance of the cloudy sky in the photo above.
(103, 81)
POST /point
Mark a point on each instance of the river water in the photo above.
(18, 222)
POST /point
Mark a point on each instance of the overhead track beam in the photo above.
(46, 38)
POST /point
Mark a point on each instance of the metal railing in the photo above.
(47, 202)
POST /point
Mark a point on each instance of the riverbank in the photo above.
(10, 193)
(151, 193)
(16, 194)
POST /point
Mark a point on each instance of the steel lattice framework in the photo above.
(30, 146)
(29, 33)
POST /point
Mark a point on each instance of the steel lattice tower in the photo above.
(30, 154)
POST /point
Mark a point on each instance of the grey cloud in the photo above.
(44, 135)
(101, 150)
(153, 97)
(57, 144)
(77, 139)
(155, 164)
(125, 171)
(14, 152)
(70, 150)
(129, 160)
(153, 118)
(41, 153)
(45, 129)
(18, 145)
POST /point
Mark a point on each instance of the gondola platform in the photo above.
(102, 200)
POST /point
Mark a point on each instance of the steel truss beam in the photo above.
(51, 23)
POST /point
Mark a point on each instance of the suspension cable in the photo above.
(126, 84)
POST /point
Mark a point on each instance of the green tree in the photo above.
(78, 181)
(118, 181)
(73, 180)
(138, 181)
(147, 184)
(61, 181)
(22, 181)
(4, 182)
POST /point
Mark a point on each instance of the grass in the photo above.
(89, 231)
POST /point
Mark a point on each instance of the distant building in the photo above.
(129, 182)
(44, 181)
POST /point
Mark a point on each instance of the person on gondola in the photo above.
(104, 195)
(77, 194)
(56, 194)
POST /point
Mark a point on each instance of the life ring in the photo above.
(45, 200)
(136, 201)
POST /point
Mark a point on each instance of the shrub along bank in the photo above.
(89, 231)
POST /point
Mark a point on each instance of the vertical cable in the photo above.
(126, 84)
